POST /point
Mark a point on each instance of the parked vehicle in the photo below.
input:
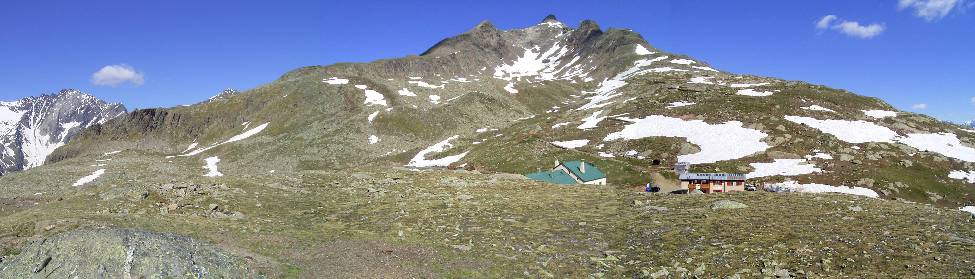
(650, 188)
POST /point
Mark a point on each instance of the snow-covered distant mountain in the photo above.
(223, 95)
(31, 128)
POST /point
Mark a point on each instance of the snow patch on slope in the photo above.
(190, 147)
(968, 176)
(421, 83)
(641, 50)
(969, 209)
(211, 167)
(876, 113)
(420, 159)
(591, 121)
(373, 97)
(335, 81)
(701, 80)
(820, 155)
(89, 178)
(239, 137)
(679, 104)
(817, 108)
(754, 93)
(704, 68)
(571, 144)
(510, 87)
(747, 85)
(406, 92)
(372, 117)
(533, 62)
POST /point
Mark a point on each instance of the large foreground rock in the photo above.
(122, 253)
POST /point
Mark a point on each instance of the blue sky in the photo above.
(167, 53)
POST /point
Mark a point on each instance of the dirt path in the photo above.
(666, 185)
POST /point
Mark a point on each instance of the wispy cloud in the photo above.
(113, 75)
(850, 28)
(824, 22)
(929, 10)
(919, 106)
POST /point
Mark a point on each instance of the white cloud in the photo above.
(853, 28)
(850, 28)
(113, 75)
(919, 106)
(824, 22)
(930, 10)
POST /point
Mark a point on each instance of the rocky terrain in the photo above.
(31, 128)
(396, 222)
(411, 167)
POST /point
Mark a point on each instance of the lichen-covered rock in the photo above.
(122, 253)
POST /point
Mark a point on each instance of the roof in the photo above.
(712, 176)
(552, 176)
(592, 172)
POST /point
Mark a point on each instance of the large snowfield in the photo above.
(783, 167)
(849, 131)
(859, 131)
(792, 186)
(735, 141)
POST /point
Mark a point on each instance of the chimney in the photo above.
(582, 166)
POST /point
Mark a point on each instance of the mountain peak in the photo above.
(550, 18)
(589, 25)
(483, 26)
(225, 94)
(484, 36)
(69, 91)
(551, 21)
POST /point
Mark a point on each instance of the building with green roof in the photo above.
(571, 172)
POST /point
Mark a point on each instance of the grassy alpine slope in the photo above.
(382, 222)
(313, 181)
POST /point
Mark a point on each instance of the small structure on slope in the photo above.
(571, 172)
(709, 182)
